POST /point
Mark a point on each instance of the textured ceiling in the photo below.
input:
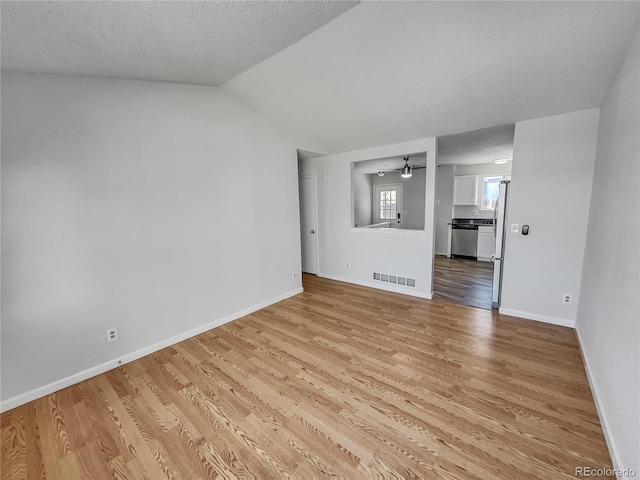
(478, 146)
(387, 72)
(345, 77)
(203, 43)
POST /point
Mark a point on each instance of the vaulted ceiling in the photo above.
(344, 76)
(204, 43)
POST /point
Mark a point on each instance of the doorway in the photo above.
(309, 223)
(471, 167)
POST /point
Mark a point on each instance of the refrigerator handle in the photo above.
(495, 218)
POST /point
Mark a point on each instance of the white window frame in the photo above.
(484, 177)
(392, 210)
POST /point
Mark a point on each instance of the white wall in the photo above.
(118, 210)
(406, 253)
(413, 196)
(551, 177)
(444, 206)
(608, 320)
(362, 202)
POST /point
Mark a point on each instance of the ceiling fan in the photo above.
(407, 170)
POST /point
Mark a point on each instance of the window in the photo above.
(388, 205)
(490, 189)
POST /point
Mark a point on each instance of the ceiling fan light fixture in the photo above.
(406, 170)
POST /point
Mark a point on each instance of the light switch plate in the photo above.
(515, 227)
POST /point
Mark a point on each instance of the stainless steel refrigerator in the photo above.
(500, 232)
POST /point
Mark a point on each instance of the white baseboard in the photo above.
(564, 322)
(613, 451)
(39, 392)
(388, 287)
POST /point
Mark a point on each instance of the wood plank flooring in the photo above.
(462, 281)
(340, 381)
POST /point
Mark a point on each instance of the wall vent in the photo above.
(383, 277)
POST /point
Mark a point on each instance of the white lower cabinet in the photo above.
(486, 244)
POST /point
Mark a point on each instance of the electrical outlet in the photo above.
(294, 275)
(476, 212)
(515, 227)
(566, 298)
(348, 265)
(112, 334)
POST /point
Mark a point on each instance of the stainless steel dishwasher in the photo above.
(464, 240)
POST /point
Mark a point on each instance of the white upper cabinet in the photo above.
(465, 190)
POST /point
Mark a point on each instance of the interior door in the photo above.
(309, 224)
(387, 204)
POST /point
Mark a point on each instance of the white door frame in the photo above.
(399, 200)
(315, 213)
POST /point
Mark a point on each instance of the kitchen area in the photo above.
(473, 176)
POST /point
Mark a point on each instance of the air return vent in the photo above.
(384, 277)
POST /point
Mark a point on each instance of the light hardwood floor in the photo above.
(462, 281)
(340, 381)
